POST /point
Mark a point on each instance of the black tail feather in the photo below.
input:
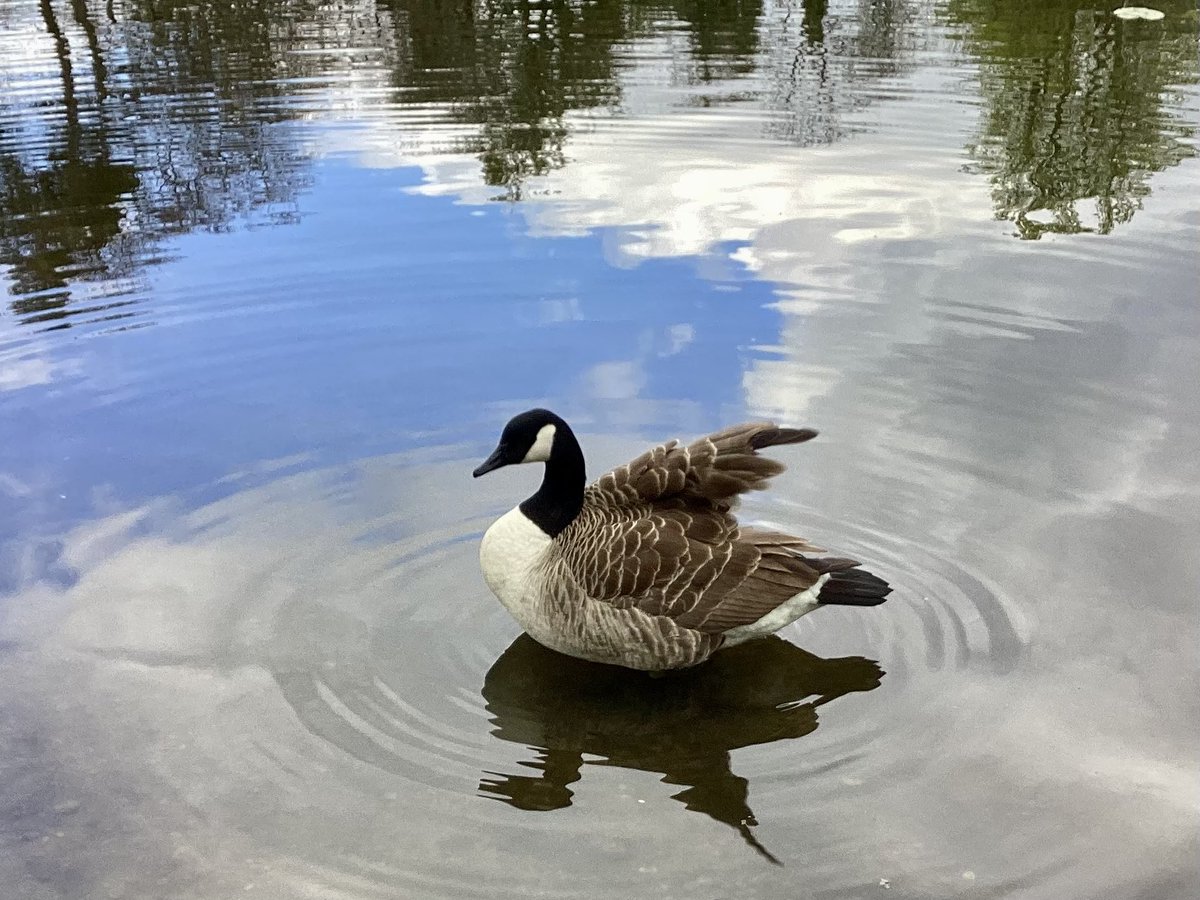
(775, 435)
(852, 587)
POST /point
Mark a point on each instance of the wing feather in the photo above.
(658, 534)
(709, 472)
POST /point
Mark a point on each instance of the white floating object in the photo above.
(1139, 12)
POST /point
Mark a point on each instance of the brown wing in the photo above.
(657, 534)
(710, 472)
(698, 569)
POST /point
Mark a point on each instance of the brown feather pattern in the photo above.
(657, 535)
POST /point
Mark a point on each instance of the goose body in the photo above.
(648, 568)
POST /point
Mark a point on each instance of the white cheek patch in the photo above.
(540, 451)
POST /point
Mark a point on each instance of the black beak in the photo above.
(493, 462)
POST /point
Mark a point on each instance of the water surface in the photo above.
(276, 273)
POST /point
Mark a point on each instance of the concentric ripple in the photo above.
(948, 615)
(335, 619)
(943, 625)
(405, 674)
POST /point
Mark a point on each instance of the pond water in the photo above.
(277, 272)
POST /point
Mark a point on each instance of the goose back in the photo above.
(658, 535)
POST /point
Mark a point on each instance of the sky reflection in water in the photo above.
(276, 273)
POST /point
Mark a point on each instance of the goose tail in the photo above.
(849, 585)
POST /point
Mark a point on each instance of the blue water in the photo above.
(276, 275)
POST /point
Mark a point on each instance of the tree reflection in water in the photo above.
(1076, 107)
(159, 128)
(167, 115)
(170, 117)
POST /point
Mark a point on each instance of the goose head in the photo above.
(536, 435)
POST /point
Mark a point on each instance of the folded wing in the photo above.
(660, 536)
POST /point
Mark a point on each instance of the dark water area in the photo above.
(274, 274)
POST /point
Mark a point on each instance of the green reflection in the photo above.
(151, 119)
(516, 69)
(683, 726)
(157, 126)
(60, 216)
(1076, 107)
(820, 59)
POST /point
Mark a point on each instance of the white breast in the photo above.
(510, 555)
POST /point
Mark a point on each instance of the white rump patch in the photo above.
(540, 451)
(785, 613)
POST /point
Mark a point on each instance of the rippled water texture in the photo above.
(275, 274)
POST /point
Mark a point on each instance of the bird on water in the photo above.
(648, 568)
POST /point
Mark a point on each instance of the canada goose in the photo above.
(648, 568)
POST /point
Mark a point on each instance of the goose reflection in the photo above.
(683, 726)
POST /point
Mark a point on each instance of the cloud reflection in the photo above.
(295, 669)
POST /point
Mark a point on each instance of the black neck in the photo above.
(559, 499)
